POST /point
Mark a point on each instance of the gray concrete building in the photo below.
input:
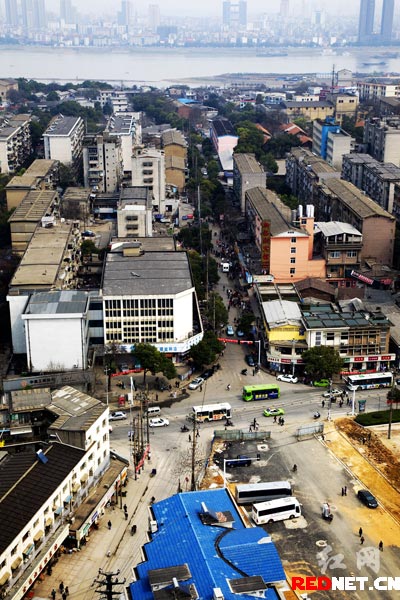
(382, 137)
(247, 174)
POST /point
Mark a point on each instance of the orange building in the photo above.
(284, 238)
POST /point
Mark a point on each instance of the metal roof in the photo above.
(247, 163)
(58, 303)
(355, 199)
(336, 228)
(183, 537)
(281, 312)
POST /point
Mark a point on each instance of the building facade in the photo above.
(102, 163)
(135, 213)
(15, 142)
(148, 169)
(247, 173)
(382, 138)
(125, 126)
(63, 141)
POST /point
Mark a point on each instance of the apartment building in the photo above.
(76, 204)
(102, 162)
(41, 175)
(374, 90)
(149, 297)
(117, 99)
(331, 142)
(50, 261)
(37, 207)
(341, 246)
(285, 244)
(304, 173)
(175, 150)
(63, 141)
(345, 105)
(135, 212)
(319, 109)
(15, 142)
(382, 138)
(6, 85)
(125, 126)
(247, 174)
(148, 169)
(361, 337)
(339, 200)
(378, 180)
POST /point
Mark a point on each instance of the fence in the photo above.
(241, 435)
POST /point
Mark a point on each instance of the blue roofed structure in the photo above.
(202, 549)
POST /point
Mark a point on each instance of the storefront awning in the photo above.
(49, 521)
(75, 487)
(28, 549)
(84, 477)
(38, 535)
(16, 563)
(4, 578)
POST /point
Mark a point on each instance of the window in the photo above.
(318, 337)
(335, 254)
(25, 536)
(330, 337)
(292, 261)
(293, 240)
(14, 550)
(292, 271)
(292, 250)
(351, 253)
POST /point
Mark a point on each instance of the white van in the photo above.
(225, 267)
(153, 411)
(276, 510)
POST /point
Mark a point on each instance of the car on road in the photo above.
(158, 422)
(367, 498)
(88, 233)
(333, 392)
(287, 378)
(239, 333)
(249, 358)
(119, 415)
(207, 374)
(229, 330)
(273, 412)
(321, 383)
(196, 383)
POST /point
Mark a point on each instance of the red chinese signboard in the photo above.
(266, 245)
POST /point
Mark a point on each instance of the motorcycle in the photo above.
(326, 512)
(184, 428)
(316, 415)
(243, 372)
(229, 423)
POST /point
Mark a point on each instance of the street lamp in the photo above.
(259, 351)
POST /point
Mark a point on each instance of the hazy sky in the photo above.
(211, 7)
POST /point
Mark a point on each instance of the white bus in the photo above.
(212, 412)
(276, 510)
(368, 381)
(249, 493)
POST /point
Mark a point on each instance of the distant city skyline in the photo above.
(208, 7)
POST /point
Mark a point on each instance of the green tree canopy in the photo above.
(206, 351)
(154, 361)
(321, 362)
(215, 312)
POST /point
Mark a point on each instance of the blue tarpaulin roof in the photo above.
(182, 538)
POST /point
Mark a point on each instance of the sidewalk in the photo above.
(104, 548)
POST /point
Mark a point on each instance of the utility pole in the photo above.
(108, 583)
(194, 435)
(106, 371)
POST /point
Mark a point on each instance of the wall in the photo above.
(281, 256)
(183, 315)
(378, 239)
(58, 148)
(17, 306)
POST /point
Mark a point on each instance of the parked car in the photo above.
(88, 233)
(239, 333)
(207, 374)
(367, 498)
(273, 412)
(333, 392)
(287, 378)
(229, 330)
(119, 415)
(321, 383)
(240, 461)
(193, 385)
(249, 358)
(158, 422)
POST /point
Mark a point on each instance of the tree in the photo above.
(66, 176)
(205, 352)
(52, 97)
(215, 312)
(154, 361)
(321, 362)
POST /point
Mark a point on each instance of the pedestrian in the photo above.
(201, 388)
(156, 397)
(109, 525)
(254, 422)
(254, 372)
(61, 587)
(64, 596)
(66, 590)
(275, 419)
(360, 532)
(190, 438)
(125, 508)
(53, 593)
(323, 403)
(380, 546)
(345, 490)
(250, 428)
(362, 540)
(198, 433)
(126, 516)
(342, 491)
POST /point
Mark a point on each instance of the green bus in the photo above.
(261, 391)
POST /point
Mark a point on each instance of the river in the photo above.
(162, 66)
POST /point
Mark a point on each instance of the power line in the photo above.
(108, 583)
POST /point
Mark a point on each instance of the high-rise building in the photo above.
(39, 14)
(284, 9)
(126, 13)
(234, 14)
(67, 12)
(12, 13)
(27, 14)
(366, 21)
(154, 16)
(387, 20)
